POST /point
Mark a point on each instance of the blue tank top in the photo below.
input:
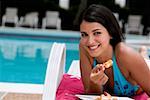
(121, 86)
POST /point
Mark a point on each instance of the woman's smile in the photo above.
(94, 47)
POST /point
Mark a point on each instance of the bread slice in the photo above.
(108, 63)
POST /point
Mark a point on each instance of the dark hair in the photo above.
(104, 16)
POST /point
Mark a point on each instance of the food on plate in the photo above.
(108, 97)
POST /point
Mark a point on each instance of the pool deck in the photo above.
(17, 96)
(38, 32)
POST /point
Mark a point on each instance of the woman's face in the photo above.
(94, 38)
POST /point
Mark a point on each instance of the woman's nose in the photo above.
(90, 40)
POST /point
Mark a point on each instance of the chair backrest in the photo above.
(148, 62)
(75, 68)
(134, 20)
(31, 19)
(11, 15)
(117, 16)
(10, 11)
(55, 71)
(52, 18)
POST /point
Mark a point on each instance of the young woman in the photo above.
(101, 40)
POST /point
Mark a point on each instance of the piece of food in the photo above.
(99, 98)
(94, 74)
(108, 63)
(103, 97)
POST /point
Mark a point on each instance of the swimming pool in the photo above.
(24, 53)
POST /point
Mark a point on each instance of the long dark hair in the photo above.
(104, 16)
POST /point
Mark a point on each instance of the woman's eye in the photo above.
(83, 35)
(97, 33)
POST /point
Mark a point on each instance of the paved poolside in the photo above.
(17, 96)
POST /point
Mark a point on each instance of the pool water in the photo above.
(24, 59)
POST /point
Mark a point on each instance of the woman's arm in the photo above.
(141, 73)
(136, 66)
(86, 67)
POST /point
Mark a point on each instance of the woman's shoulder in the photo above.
(123, 49)
(127, 55)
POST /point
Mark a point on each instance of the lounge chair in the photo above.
(54, 74)
(134, 24)
(119, 21)
(2, 95)
(29, 20)
(74, 69)
(51, 20)
(10, 18)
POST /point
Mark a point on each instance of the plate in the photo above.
(87, 97)
(93, 97)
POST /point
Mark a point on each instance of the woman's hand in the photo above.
(98, 76)
(105, 96)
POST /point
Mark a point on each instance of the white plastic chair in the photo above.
(29, 20)
(2, 95)
(54, 74)
(51, 20)
(119, 21)
(10, 16)
(74, 68)
(148, 62)
(134, 24)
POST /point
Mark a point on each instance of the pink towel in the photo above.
(142, 96)
(68, 87)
